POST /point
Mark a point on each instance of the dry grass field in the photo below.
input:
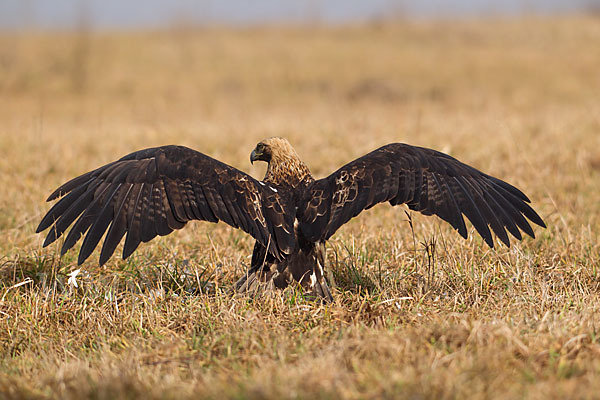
(417, 314)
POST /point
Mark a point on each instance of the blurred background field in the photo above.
(515, 96)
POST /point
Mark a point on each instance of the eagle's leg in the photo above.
(308, 268)
(260, 276)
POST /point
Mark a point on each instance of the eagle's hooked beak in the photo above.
(254, 156)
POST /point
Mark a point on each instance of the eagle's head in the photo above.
(285, 165)
(273, 149)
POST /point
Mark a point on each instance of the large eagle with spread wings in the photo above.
(290, 213)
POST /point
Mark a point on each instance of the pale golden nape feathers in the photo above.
(285, 165)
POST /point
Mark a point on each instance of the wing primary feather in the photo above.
(99, 226)
(85, 220)
(490, 216)
(118, 227)
(509, 188)
(494, 199)
(472, 212)
(74, 210)
(522, 206)
(516, 215)
(75, 182)
(61, 206)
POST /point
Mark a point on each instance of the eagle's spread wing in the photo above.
(427, 181)
(154, 191)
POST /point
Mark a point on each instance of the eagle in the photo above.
(290, 214)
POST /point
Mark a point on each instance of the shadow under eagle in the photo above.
(290, 214)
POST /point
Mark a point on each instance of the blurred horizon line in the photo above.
(98, 15)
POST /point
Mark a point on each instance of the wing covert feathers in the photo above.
(155, 191)
(427, 181)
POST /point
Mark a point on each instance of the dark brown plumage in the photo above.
(290, 214)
